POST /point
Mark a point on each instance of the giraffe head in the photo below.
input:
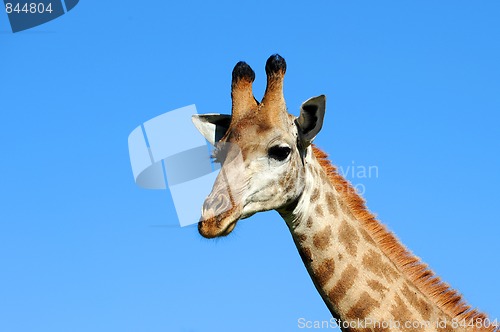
(261, 148)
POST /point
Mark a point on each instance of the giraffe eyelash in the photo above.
(213, 157)
(220, 152)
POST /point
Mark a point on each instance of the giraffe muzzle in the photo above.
(219, 216)
(222, 208)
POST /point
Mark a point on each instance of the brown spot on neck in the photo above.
(305, 255)
(321, 240)
(378, 287)
(324, 271)
(349, 237)
(346, 281)
(331, 204)
(418, 303)
(373, 262)
(319, 211)
(301, 238)
(362, 308)
(367, 237)
(309, 222)
(315, 195)
(401, 313)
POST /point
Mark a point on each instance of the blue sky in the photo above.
(413, 88)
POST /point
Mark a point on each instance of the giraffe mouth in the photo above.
(218, 225)
(229, 228)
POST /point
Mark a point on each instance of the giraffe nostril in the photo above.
(217, 204)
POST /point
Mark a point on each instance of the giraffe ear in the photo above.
(212, 126)
(310, 121)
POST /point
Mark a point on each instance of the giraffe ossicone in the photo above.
(362, 272)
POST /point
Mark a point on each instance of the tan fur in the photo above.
(447, 299)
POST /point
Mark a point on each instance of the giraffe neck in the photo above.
(355, 277)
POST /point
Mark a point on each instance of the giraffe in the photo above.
(368, 280)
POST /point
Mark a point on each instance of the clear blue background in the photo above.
(413, 87)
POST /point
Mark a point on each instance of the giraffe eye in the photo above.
(278, 152)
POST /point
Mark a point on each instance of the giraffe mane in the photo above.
(417, 272)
